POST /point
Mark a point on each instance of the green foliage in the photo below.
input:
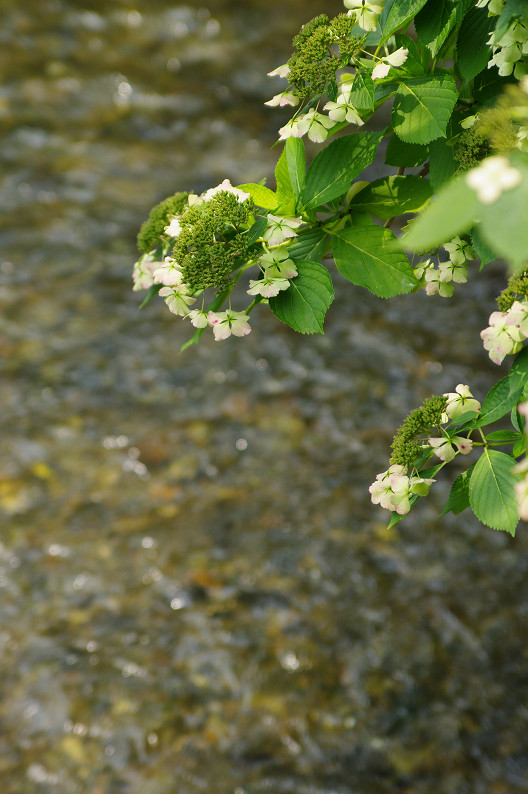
(422, 108)
(365, 255)
(160, 217)
(393, 195)
(304, 304)
(491, 491)
(333, 170)
(460, 121)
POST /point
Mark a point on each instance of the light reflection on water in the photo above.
(195, 592)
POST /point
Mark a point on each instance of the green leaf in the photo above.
(422, 108)
(257, 230)
(310, 245)
(451, 212)
(362, 92)
(398, 15)
(518, 373)
(333, 170)
(296, 162)
(437, 19)
(393, 195)
(153, 290)
(304, 304)
(458, 500)
(491, 491)
(405, 155)
(500, 399)
(282, 177)
(514, 9)
(413, 64)
(503, 435)
(262, 196)
(365, 255)
(504, 225)
(472, 48)
(442, 164)
(481, 248)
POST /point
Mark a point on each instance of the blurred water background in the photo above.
(195, 592)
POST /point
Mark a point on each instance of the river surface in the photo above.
(196, 594)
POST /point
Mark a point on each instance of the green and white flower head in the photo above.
(421, 268)
(228, 187)
(459, 402)
(420, 485)
(143, 273)
(268, 286)
(178, 299)
(277, 264)
(285, 98)
(169, 274)
(366, 12)
(229, 322)
(280, 229)
(316, 125)
(492, 177)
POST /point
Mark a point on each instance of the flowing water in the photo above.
(195, 592)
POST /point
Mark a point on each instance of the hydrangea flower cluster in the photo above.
(506, 331)
(394, 488)
(323, 48)
(439, 280)
(197, 242)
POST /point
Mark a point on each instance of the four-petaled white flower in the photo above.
(143, 273)
(174, 228)
(442, 448)
(198, 318)
(277, 264)
(290, 130)
(459, 402)
(396, 58)
(492, 177)
(391, 489)
(343, 109)
(280, 228)
(500, 337)
(228, 187)
(169, 273)
(315, 124)
(280, 100)
(280, 71)
(268, 286)
(229, 322)
(178, 299)
(459, 251)
(366, 12)
(434, 284)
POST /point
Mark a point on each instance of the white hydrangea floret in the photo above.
(229, 322)
(396, 58)
(280, 229)
(228, 187)
(178, 299)
(493, 176)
